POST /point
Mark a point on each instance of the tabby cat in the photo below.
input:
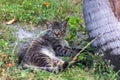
(42, 53)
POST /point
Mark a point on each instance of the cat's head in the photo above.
(57, 29)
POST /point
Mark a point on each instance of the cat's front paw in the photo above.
(76, 50)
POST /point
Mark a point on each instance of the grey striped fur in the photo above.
(42, 52)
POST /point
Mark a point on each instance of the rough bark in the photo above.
(100, 17)
(115, 5)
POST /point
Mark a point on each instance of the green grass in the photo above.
(36, 12)
(98, 70)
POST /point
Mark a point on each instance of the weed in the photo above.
(36, 11)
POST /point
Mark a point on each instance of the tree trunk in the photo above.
(102, 16)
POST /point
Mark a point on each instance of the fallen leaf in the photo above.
(3, 70)
(60, 8)
(11, 21)
(46, 4)
(9, 64)
(3, 55)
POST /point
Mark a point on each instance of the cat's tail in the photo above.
(53, 69)
(56, 69)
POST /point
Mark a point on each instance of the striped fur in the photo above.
(42, 52)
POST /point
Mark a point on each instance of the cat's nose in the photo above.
(56, 34)
(56, 31)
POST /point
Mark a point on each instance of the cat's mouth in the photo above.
(57, 36)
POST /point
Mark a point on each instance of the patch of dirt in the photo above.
(25, 31)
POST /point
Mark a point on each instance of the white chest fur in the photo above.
(51, 54)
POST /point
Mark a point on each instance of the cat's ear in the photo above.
(48, 24)
(64, 23)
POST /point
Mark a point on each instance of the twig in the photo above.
(40, 34)
(30, 46)
(13, 51)
(75, 57)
